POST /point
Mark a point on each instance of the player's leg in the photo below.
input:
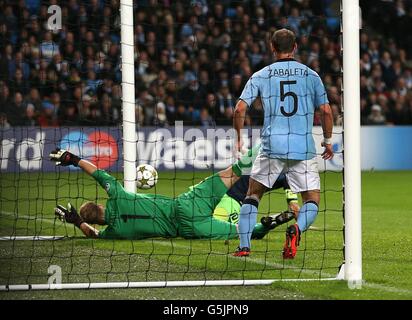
(309, 210)
(248, 213)
(303, 177)
(195, 207)
(292, 201)
(290, 196)
(264, 173)
(211, 228)
(307, 215)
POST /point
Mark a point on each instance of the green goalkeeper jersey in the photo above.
(138, 216)
(135, 216)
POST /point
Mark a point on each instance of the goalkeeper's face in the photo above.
(92, 213)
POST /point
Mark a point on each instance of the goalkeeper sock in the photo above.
(244, 165)
(307, 215)
(247, 221)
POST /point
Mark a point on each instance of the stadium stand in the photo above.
(191, 60)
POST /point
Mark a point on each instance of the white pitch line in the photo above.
(255, 260)
(387, 288)
(26, 217)
(31, 238)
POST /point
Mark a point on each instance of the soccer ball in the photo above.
(146, 177)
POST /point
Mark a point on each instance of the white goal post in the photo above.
(352, 148)
(128, 93)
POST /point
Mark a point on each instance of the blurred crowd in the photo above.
(192, 59)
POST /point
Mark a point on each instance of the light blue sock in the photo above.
(307, 215)
(247, 221)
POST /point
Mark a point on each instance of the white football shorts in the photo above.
(302, 175)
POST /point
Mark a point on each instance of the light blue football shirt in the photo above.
(290, 92)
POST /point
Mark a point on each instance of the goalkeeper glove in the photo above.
(69, 215)
(64, 158)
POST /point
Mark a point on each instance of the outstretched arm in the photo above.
(66, 158)
(87, 166)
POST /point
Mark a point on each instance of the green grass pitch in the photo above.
(26, 208)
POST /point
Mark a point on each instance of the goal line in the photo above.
(152, 284)
(32, 238)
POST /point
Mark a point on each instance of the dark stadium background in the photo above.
(192, 59)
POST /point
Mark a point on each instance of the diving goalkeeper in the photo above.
(131, 215)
